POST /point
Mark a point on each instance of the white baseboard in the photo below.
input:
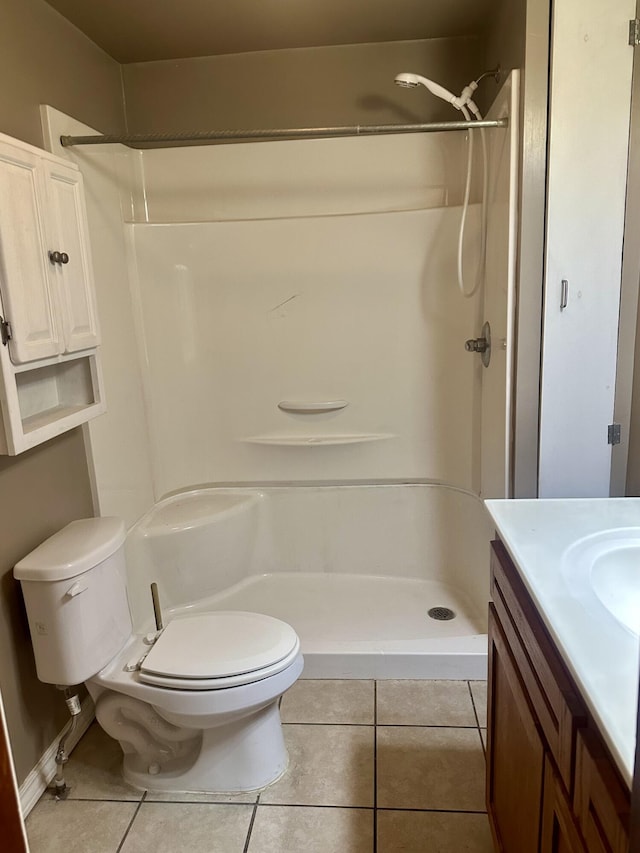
(36, 782)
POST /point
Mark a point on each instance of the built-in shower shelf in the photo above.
(312, 408)
(313, 440)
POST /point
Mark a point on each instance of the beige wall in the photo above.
(40, 491)
(506, 37)
(308, 87)
(43, 59)
(505, 44)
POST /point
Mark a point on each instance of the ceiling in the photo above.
(144, 30)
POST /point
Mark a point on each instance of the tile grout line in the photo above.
(353, 808)
(475, 711)
(283, 805)
(473, 705)
(104, 800)
(315, 806)
(375, 766)
(128, 829)
(251, 822)
(430, 811)
(201, 802)
(389, 725)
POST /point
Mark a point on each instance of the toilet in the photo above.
(195, 705)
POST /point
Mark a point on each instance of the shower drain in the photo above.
(442, 614)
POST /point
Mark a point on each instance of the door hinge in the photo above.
(5, 331)
(634, 32)
(613, 434)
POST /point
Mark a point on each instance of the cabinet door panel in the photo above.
(24, 268)
(554, 702)
(68, 230)
(515, 754)
(600, 802)
(560, 833)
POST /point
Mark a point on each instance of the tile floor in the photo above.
(375, 767)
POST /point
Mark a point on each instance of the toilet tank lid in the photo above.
(75, 549)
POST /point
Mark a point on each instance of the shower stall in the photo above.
(295, 426)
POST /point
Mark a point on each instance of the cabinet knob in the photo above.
(64, 258)
(55, 257)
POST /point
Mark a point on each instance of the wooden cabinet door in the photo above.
(560, 833)
(554, 702)
(25, 275)
(515, 753)
(68, 234)
(600, 801)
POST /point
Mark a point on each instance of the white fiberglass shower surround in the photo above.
(294, 426)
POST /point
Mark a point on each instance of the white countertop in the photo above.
(601, 655)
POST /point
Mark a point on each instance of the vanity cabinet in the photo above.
(551, 785)
(49, 362)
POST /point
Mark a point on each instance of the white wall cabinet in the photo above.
(73, 275)
(51, 376)
(25, 279)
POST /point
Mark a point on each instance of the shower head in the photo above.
(407, 81)
(410, 81)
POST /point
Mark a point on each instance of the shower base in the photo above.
(354, 570)
(359, 626)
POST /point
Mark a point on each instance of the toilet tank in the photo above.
(75, 593)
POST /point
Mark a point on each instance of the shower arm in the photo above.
(496, 73)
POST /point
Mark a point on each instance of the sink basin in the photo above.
(615, 578)
(603, 571)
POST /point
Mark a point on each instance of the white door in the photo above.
(499, 292)
(625, 456)
(25, 283)
(590, 94)
(67, 227)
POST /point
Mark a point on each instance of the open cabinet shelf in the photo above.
(53, 392)
(45, 401)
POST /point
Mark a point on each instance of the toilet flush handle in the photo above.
(76, 589)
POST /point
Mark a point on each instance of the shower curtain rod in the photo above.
(146, 140)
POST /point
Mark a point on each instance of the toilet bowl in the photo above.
(195, 706)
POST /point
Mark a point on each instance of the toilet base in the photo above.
(242, 756)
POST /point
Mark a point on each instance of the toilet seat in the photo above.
(217, 650)
(220, 683)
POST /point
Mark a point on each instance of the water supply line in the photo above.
(60, 787)
(464, 102)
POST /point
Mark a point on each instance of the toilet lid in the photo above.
(219, 644)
